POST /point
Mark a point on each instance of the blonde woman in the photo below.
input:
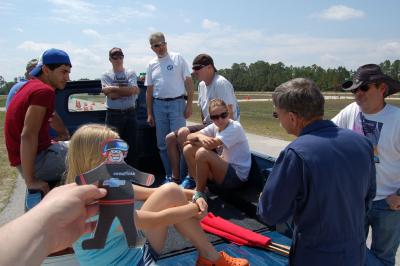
(163, 206)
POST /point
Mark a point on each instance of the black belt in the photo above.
(121, 111)
(170, 99)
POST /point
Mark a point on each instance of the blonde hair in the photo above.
(84, 152)
(215, 103)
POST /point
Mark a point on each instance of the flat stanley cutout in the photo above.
(116, 177)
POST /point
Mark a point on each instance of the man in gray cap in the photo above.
(29, 66)
(372, 117)
(26, 127)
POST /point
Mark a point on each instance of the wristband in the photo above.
(197, 195)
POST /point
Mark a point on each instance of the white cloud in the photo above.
(91, 32)
(391, 48)
(34, 46)
(5, 7)
(340, 12)
(19, 30)
(149, 7)
(78, 11)
(209, 24)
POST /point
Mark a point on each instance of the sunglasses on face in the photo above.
(363, 88)
(158, 45)
(221, 115)
(197, 67)
(116, 57)
(275, 114)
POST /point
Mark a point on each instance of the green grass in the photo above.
(8, 174)
(3, 100)
(256, 117)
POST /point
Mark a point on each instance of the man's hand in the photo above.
(150, 120)
(65, 210)
(394, 202)
(208, 142)
(37, 184)
(188, 111)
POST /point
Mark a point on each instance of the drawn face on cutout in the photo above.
(115, 150)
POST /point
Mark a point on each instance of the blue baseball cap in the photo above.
(50, 56)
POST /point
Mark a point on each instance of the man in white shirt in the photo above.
(167, 78)
(372, 117)
(211, 86)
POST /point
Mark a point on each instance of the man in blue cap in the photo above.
(26, 127)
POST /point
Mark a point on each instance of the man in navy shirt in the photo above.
(325, 179)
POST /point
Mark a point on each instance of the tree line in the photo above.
(264, 76)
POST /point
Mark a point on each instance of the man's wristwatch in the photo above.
(398, 192)
(197, 195)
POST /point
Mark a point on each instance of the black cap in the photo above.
(368, 74)
(203, 60)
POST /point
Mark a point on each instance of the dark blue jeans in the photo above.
(385, 228)
(124, 122)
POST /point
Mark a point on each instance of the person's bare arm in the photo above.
(115, 92)
(230, 111)
(189, 93)
(29, 144)
(58, 125)
(54, 224)
(198, 138)
(149, 104)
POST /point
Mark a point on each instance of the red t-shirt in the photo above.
(34, 92)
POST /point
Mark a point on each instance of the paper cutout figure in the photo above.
(116, 177)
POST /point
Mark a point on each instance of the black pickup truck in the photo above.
(81, 102)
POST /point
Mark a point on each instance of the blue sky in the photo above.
(301, 32)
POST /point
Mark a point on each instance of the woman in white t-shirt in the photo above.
(232, 167)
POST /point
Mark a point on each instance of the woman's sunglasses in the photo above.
(221, 115)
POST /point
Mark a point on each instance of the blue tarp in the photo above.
(256, 257)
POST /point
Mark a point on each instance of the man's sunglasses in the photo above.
(275, 114)
(158, 45)
(221, 115)
(197, 67)
(116, 57)
(364, 88)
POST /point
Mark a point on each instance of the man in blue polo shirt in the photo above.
(325, 179)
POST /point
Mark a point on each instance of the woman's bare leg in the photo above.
(171, 195)
(209, 165)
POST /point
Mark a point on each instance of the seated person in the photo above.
(163, 206)
(232, 167)
(211, 86)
